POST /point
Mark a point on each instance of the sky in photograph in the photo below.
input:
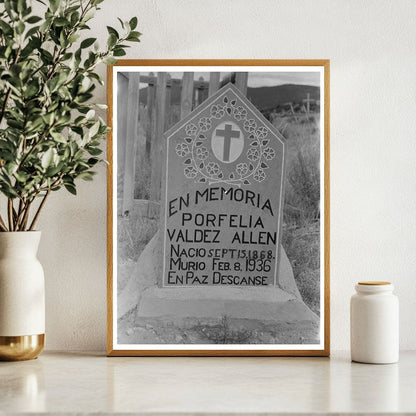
(267, 79)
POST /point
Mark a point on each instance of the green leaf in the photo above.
(5, 146)
(7, 52)
(86, 176)
(82, 166)
(16, 124)
(67, 56)
(96, 77)
(32, 31)
(94, 129)
(53, 83)
(54, 4)
(110, 60)
(63, 41)
(31, 90)
(112, 40)
(52, 171)
(132, 39)
(89, 15)
(33, 19)
(60, 138)
(20, 28)
(92, 161)
(133, 23)
(82, 98)
(121, 23)
(74, 18)
(8, 190)
(77, 130)
(73, 38)
(35, 125)
(119, 52)
(33, 44)
(7, 29)
(46, 56)
(61, 21)
(112, 31)
(26, 10)
(21, 5)
(11, 168)
(134, 36)
(90, 114)
(47, 158)
(48, 118)
(21, 177)
(94, 151)
(70, 188)
(67, 153)
(87, 42)
(10, 7)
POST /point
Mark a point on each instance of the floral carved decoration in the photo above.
(199, 163)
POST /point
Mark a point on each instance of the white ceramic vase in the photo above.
(22, 296)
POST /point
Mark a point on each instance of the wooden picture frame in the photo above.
(153, 108)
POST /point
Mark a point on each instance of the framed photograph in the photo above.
(218, 207)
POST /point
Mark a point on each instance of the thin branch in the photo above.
(84, 11)
(24, 221)
(20, 214)
(39, 209)
(14, 216)
(26, 216)
(10, 213)
(2, 224)
(54, 184)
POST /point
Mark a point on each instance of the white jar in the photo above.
(374, 323)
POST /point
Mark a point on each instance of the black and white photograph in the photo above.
(218, 209)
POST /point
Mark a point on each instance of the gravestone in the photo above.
(218, 250)
(222, 205)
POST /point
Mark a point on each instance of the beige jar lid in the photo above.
(374, 283)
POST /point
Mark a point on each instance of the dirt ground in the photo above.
(224, 330)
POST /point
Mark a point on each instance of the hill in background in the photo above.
(264, 98)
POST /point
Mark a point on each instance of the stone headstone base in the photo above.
(142, 285)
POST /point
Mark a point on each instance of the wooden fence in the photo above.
(156, 114)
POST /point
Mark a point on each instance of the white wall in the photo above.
(371, 45)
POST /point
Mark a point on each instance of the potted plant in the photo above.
(50, 136)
